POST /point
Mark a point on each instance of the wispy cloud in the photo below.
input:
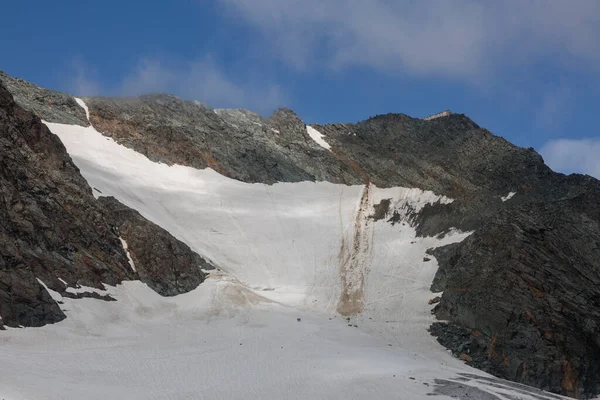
(573, 155)
(554, 108)
(84, 80)
(201, 80)
(460, 38)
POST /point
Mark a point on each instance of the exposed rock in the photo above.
(52, 227)
(446, 257)
(452, 156)
(381, 210)
(49, 105)
(529, 283)
(235, 143)
(164, 263)
(88, 295)
(435, 300)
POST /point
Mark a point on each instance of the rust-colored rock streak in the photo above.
(355, 258)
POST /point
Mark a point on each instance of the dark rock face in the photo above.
(52, 227)
(528, 282)
(164, 263)
(521, 293)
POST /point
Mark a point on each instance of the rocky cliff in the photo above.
(56, 235)
(52, 227)
(520, 294)
(161, 261)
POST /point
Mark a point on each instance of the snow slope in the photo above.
(305, 244)
(290, 250)
(221, 341)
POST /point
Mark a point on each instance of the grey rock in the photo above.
(52, 227)
(164, 263)
(88, 295)
(446, 257)
(235, 143)
(528, 282)
(49, 105)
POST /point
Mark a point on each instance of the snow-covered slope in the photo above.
(311, 245)
(220, 341)
(307, 250)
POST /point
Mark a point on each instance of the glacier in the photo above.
(315, 296)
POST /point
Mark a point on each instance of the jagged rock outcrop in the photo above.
(523, 294)
(161, 261)
(55, 234)
(520, 293)
(52, 227)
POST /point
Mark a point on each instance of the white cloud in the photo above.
(573, 155)
(201, 80)
(459, 38)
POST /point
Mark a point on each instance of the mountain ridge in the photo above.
(525, 245)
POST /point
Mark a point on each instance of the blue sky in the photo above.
(528, 70)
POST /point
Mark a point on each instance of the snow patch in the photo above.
(508, 196)
(317, 137)
(126, 248)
